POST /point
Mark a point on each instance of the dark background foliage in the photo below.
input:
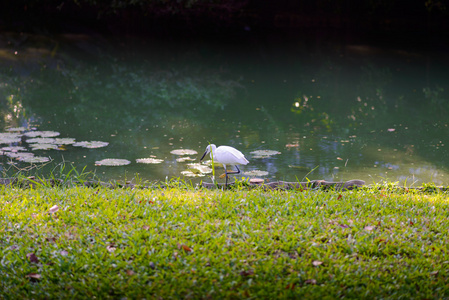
(224, 16)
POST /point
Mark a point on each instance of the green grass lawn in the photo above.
(105, 243)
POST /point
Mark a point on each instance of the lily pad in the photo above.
(183, 152)
(192, 173)
(42, 133)
(9, 138)
(112, 162)
(149, 160)
(19, 155)
(64, 141)
(44, 147)
(200, 167)
(34, 159)
(264, 153)
(184, 159)
(16, 129)
(91, 144)
(209, 163)
(14, 148)
(256, 173)
(41, 140)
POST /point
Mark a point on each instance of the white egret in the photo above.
(226, 155)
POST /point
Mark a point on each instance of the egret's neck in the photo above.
(212, 150)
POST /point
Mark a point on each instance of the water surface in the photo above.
(335, 110)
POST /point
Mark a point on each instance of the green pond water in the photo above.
(336, 110)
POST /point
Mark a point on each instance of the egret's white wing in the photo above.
(230, 155)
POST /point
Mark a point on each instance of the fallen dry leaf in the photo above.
(186, 248)
(369, 228)
(317, 263)
(33, 276)
(247, 273)
(310, 281)
(290, 286)
(53, 209)
(111, 248)
(33, 258)
(130, 272)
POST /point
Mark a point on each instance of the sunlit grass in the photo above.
(181, 242)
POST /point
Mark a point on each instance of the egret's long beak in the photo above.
(203, 156)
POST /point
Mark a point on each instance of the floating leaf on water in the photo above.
(256, 173)
(192, 173)
(184, 159)
(41, 140)
(16, 129)
(149, 160)
(264, 153)
(209, 163)
(10, 135)
(91, 144)
(42, 133)
(112, 162)
(44, 147)
(13, 148)
(19, 155)
(183, 152)
(34, 159)
(64, 141)
(201, 168)
(10, 138)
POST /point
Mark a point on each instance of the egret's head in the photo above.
(209, 148)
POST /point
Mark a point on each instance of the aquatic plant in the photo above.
(91, 144)
(149, 160)
(44, 134)
(184, 159)
(183, 152)
(43, 147)
(41, 140)
(112, 162)
(255, 173)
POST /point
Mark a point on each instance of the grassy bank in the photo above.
(83, 242)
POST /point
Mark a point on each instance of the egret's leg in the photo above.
(235, 172)
(225, 173)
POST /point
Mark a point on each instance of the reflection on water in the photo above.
(335, 112)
